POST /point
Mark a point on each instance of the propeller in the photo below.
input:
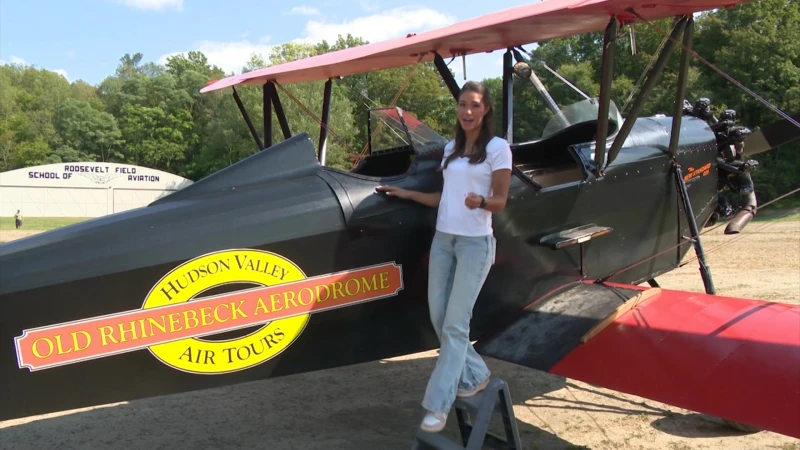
(772, 135)
(735, 144)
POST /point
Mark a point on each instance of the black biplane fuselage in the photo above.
(326, 220)
(279, 265)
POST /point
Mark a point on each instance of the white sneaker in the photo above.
(464, 393)
(434, 422)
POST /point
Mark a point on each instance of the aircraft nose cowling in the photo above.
(109, 265)
(272, 196)
(168, 234)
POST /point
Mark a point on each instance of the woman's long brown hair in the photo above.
(487, 127)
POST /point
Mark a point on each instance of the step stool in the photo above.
(495, 398)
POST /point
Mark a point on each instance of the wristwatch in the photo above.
(483, 202)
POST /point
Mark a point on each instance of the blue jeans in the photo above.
(457, 270)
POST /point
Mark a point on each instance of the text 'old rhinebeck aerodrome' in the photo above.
(169, 324)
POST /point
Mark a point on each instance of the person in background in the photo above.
(476, 168)
(18, 220)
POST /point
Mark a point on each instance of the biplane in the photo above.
(279, 264)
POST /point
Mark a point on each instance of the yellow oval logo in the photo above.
(187, 281)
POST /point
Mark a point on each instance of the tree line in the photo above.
(154, 115)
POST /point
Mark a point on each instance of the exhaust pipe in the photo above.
(737, 179)
(746, 212)
(734, 169)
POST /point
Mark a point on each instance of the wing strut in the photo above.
(270, 99)
(638, 103)
(447, 76)
(508, 96)
(266, 105)
(607, 74)
(705, 270)
(680, 92)
(323, 129)
(247, 119)
(278, 106)
(761, 99)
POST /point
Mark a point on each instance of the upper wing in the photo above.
(536, 22)
(733, 358)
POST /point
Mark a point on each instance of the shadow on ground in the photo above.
(694, 425)
(688, 425)
(369, 406)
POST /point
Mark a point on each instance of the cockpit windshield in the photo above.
(394, 128)
(582, 111)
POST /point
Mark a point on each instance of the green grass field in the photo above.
(778, 215)
(50, 223)
(40, 223)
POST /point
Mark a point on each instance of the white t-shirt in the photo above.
(461, 178)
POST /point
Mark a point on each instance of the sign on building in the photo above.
(83, 189)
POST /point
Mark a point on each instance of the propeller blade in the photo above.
(771, 136)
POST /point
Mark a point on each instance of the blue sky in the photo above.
(86, 39)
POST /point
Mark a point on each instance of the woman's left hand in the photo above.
(473, 200)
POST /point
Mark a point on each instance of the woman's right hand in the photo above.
(395, 191)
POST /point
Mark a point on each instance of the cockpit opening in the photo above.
(551, 160)
(396, 138)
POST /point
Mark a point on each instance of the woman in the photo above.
(477, 170)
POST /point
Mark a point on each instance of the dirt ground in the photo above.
(376, 405)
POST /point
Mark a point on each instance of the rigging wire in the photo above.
(392, 105)
(741, 236)
(411, 132)
(748, 91)
(367, 105)
(341, 140)
(567, 82)
(394, 130)
(644, 73)
(666, 36)
(756, 210)
(314, 116)
(688, 241)
(719, 71)
(744, 235)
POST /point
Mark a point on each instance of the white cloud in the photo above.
(304, 10)
(369, 5)
(63, 73)
(231, 56)
(154, 4)
(379, 27)
(17, 60)
(13, 60)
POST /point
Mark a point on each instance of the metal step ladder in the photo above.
(474, 435)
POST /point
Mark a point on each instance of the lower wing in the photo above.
(733, 358)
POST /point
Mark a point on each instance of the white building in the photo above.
(82, 189)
